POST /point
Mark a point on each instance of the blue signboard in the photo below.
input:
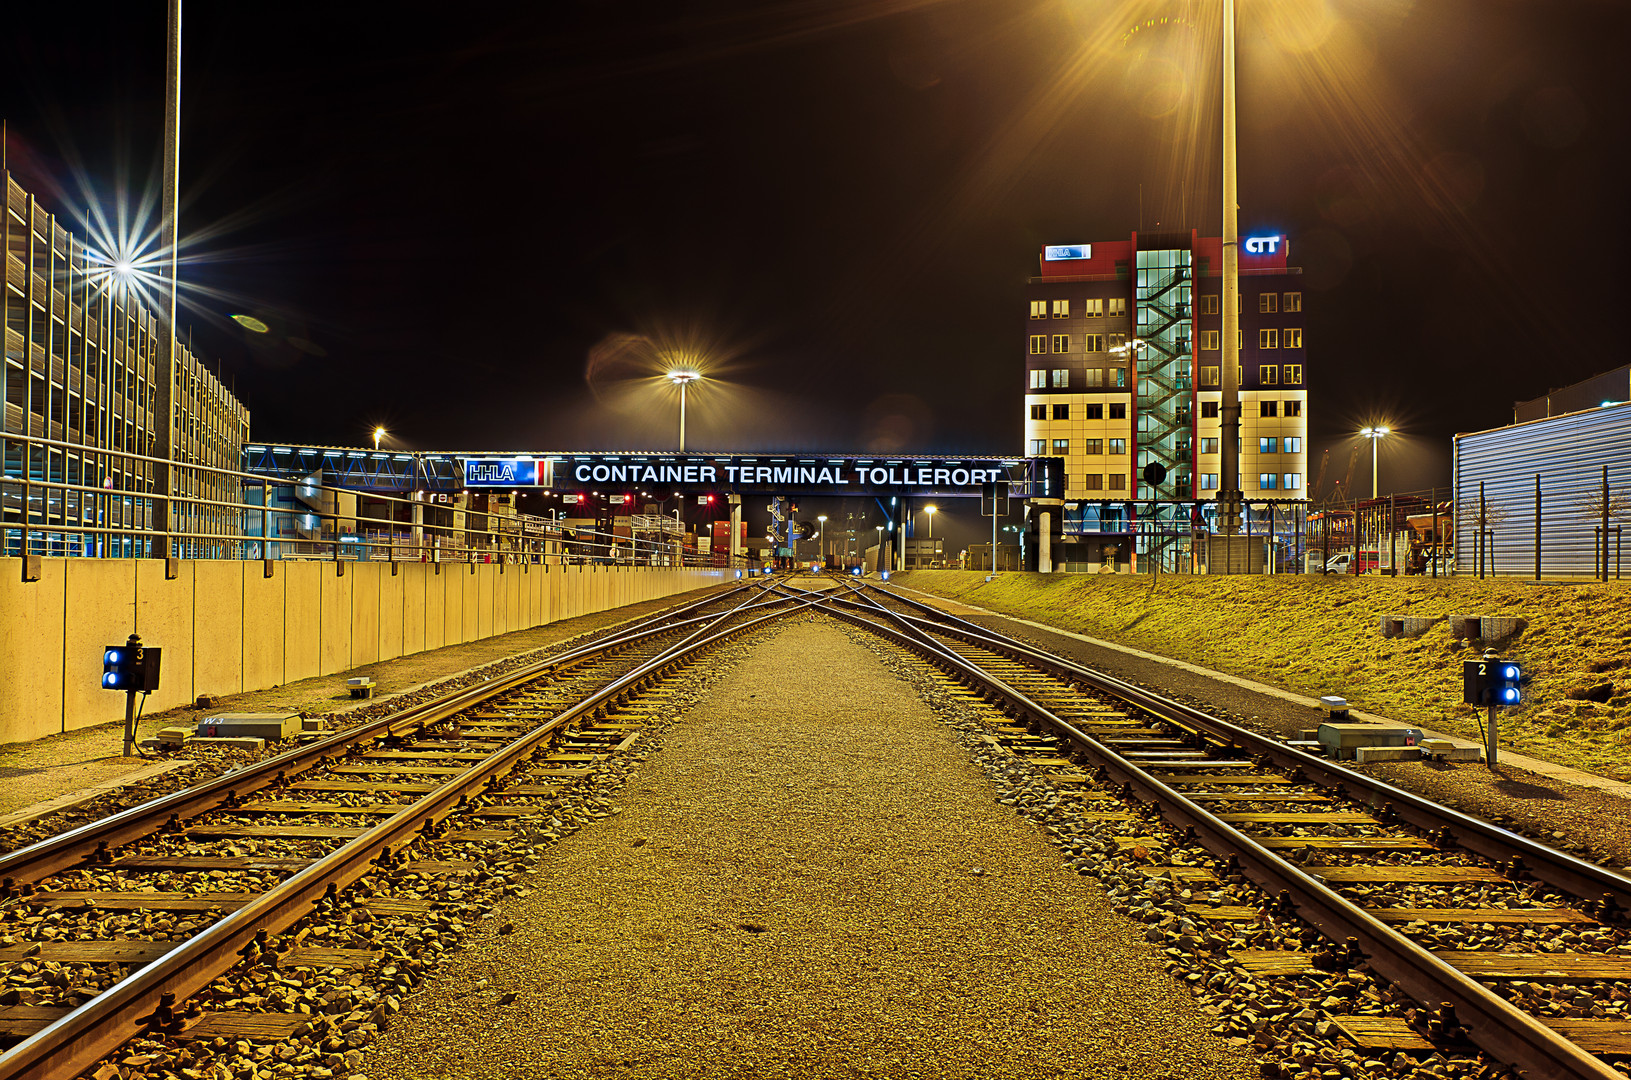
(500, 472)
(1055, 252)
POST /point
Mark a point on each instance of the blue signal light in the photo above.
(1509, 671)
(1509, 696)
(113, 656)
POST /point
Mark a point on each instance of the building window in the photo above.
(1209, 410)
(1268, 445)
(1209, 446)
(1294, 407)
(1118, 446)
(1268, 481)
(1095, 376)
(1061, 378)
(1039, 379)
(1118, 481)
(1268, 408)
(1266, 302)
(1294, 302)
(1095, 308)
(1039, 447)
(1209, 340)
(1118, 306)
(1061, 447)
(1039, 412)
(1268, 339)
(1039, 309)
(1118, 410)
(1121, 376)
(1039, 344)
(1061, 343)
(1294, 372)
(1268, 374)
(1061, 412)
(1209, 481)
(1117, 342)
(1293, 444)
(1094, 412)
(1240, 340)
(1210, 373)
(1061, 309)
(1095, 343)
(1094, 446)
(1294, 481)
(1294, 337)
(1093, 482)
(1209, 303)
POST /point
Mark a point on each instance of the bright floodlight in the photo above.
(680, 377)
(379, 433)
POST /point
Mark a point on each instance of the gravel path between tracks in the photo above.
(811, 880)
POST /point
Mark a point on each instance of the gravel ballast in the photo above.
(812, 880)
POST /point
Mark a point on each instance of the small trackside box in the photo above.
(269, 726)
(1341, 740)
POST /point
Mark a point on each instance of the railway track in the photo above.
(1527, 930)
(115, 927)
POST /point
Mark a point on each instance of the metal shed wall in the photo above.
(1568, 453)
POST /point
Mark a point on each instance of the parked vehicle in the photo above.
(1348, 562)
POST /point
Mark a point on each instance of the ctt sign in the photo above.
(1262, 245)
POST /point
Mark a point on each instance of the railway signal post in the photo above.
(1493, 683)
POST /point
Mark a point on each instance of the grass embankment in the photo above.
(1321, 635)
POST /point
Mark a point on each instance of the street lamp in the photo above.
(930, 511)
(379, 433)
(1375, 435)
(680, 377)
(821, 537)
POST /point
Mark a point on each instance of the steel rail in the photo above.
(76, 846)
(1501, 1029)
(1559, 869)
(101, 1025)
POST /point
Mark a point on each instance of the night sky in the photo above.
(485, 227)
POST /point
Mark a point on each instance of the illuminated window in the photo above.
(1039, 447)
(1209, 481)
(1268, 339)
(1294, 407)
(1118, 411)
(1121, 376)
(1118, 305)
(1094, 412)
(1118, 481)
(1094, 446)
(1093, 482)
(1210, 374)
(1039, 412)
(1061, 447)
(1209, 446)
(1268, 445)
(1209, 303)
(1268, 408)
(1294, 372)
(1209, 340)
(1293, 444)
(1061, 378)
(1095, 376)
(1118, 446)
(1266, 302)
(1039, 309)
(1116, 341)
(1039, 344)
(1268, 481)
(1061, 309)
(1209, 410)
(1294, 302)
(1294, 337)
(1268, 374)
(1061, 412)
(1094, 343)
(1039, 379)
(1095, 309)
(1293, 481)
(1061, 343)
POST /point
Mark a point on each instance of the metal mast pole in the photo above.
(164, 421)
(682, 418)
(1373, 440)
(1229, 497)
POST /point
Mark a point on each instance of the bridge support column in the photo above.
(1044, 543)
(735, 543)
(418, 532)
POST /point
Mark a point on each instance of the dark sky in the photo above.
(452, 216)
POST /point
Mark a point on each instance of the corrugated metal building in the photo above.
(1567, 456)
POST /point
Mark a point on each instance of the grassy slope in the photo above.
(1320, 635)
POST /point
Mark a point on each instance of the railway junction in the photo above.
(807, 826)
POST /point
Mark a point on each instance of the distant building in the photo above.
(1123, 369)
(81, 368)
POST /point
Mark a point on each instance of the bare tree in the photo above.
(1590, 505)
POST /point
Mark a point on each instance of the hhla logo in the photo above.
(1262, 245)
(494, 473)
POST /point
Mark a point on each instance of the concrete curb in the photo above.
(83, 795)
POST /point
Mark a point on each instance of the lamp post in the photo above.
(930, 510)
(379, 433)
(1375, 435)
(821, 538)
(681, 377)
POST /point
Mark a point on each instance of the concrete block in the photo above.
(1466, 626)
(1308, 734)
(359, 682)
(1363, 754)
(1417, 625)
(1392, 627)
(313, 723)
(175, 734)
(1500, 628)
(266, 726)
(243, 742)
(1342, 740)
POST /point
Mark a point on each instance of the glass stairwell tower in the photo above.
(1165, 357)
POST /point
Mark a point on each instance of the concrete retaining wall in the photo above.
(226, 628)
